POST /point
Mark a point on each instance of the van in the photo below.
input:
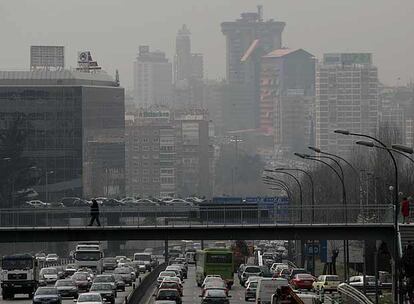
(267, 287)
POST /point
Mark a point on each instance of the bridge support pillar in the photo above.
(166, 253)
(202, 244)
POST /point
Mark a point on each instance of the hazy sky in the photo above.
(113, 30)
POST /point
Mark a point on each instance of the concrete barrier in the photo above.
(140, 292)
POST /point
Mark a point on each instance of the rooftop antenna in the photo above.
(117, 78)
(260, 12)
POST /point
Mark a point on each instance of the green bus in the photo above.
(215, 261)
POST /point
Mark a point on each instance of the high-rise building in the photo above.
(74, 122)
(183, 58)
(346, 98)
(247, 40)
(152, 78)
(287, 97)
(197, 66)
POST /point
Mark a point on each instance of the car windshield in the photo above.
(101, 287)
(65, 283)
(168, 274)
(122, 270)
(46, 291)
(104, 279)
(167, 293)
(304, 276)
(215, 293)
(12, 264)
(332, 278)
(79, 277)
(89, 298)
(168, 285)
(88, 256)
(252, 269)
(48, 271)
(109, 260)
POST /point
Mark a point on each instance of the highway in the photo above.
(23, 299)
(192, 292)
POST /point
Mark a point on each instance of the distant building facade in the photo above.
(74, 123)
(247, 40)
(152, 78)
(346, 98)
(287, 97)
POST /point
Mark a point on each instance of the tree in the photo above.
(16, 172)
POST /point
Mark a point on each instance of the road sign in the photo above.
(310, 250)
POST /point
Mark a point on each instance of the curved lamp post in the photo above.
(396, 204)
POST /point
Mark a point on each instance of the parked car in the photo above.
(326, 283)
(67, 288)
(47, 295)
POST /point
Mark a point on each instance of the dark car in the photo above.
(119, 282)
(67, 288)
(169, 294)
(47, 295)
(106, 290)
(70, 269)
(105, 278)
(215, 296)
(109, 264)
(82, 281)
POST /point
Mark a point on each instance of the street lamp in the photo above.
(341, 178)
(300, 191)
(396, 206)
(278, 183)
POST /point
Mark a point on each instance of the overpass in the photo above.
(168, 223)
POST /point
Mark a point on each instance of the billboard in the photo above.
(45, 57)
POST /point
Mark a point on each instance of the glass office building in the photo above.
(75, 130)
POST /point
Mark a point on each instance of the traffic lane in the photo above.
(24, 299)
(191, 292)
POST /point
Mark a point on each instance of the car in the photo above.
(119, 258)
(284, 273)
(47, 295)
(277, 267)
(266, 287)
(218, 296)
(67, 288)
(240, 271)
(90, 298)
(106, 290)
(140, 266)
(250, 270)
(250, 292)
(295, 271)
(174, 279)
(165, 274)
(358, 282)
(36, 204)
(177, 270)
(70, 269)
(82, 280)
(302, 281)
(212, 278)
(52, 257)
(253, 279)
(215, 285)
(109, 263)
(105, 278)
(169, 294)
(48, 275)
(41, 256)
(119, 282)
(166, 284)
(326, 283)
(125, 273)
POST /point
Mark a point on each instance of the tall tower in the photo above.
(183, 58)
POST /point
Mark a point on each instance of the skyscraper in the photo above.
(346, 98)
(152, 78)
(248, 39)
(183, 58)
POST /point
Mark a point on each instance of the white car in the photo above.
(277, 267)
(90, 298)
(36, 204)
(41, 257)
(52, 257)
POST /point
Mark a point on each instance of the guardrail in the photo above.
(140, 292)
(348, 291)
(163, 216)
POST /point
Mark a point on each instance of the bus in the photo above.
(89, 255)
(215, 261)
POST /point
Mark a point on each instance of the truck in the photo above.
(89, 255)
(19, 275)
